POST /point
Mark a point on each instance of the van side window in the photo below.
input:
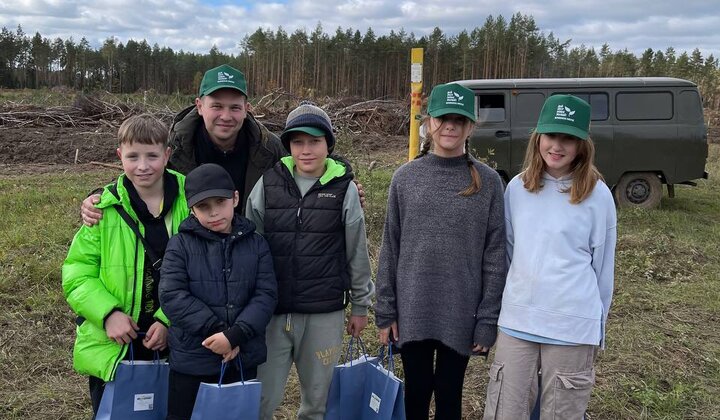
(491, 107)
(599, 106)
(599, 110)
(644, 106)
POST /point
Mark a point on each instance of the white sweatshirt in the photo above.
(562, 257)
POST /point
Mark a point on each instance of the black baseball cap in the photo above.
(208, 180)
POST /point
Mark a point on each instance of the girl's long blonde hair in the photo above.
(584, 173)
(475, 183)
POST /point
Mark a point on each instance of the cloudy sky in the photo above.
(195, 25)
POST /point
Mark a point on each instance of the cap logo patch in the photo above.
(564, 113)
(223, 77)
(454, 99)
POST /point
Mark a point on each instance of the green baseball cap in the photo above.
(313, 131)
(222, 77)
(452, 98)
(565, 114)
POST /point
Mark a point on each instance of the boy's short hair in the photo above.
(143, 129)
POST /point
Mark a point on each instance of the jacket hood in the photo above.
(564, 178)
(241, 226)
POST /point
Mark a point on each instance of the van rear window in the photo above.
(491, 107)
(689, 107)
(644, 106)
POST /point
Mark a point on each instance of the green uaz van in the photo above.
(648, 131)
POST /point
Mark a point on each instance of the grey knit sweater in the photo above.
(442, 263)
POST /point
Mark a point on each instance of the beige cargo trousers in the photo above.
(567, 380)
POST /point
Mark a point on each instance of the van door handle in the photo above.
(502, 133)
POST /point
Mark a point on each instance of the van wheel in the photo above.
(639, 189)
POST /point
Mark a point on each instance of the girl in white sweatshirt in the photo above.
(561, 233)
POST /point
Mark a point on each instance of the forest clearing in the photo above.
(662, 359)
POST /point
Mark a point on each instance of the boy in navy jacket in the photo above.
(217, 288)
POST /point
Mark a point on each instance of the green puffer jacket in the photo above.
(103, 271)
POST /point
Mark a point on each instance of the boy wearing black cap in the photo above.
(217, 288)
(308, 209)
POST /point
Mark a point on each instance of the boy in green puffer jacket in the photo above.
(109, 278)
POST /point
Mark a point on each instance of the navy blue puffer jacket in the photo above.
(209, 284)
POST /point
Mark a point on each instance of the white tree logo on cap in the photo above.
(453, 98)
(564, 113)
(224, 77)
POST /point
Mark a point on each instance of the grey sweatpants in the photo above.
(567, 380)
(313, 342)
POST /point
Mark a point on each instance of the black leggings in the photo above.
(421, 379)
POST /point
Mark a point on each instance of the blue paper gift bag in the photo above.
(383, 396)
(138, 391)
(348, 385)
(236, 401)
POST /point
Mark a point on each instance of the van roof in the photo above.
(574, 82)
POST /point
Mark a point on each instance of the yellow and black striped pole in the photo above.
(416, 70)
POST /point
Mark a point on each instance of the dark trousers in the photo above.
(183, 389)
(431, 366)
(97, 386)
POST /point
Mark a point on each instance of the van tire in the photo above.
(639, 189)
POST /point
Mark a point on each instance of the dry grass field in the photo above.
(663, 345)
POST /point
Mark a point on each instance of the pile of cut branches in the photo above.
(350, 114)
(86, 111)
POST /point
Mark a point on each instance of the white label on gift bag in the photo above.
(375, 402)
(143, 402)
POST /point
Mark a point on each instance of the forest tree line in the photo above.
(344, 63)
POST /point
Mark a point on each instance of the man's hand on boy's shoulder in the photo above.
(120, 327)
(356, 324)
(156, 337)
(91, 215)
(218, 344)
(361, 193)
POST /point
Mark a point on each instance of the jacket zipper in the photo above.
(132, 304)
(225, 280)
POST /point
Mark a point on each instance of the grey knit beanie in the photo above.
(310, 119)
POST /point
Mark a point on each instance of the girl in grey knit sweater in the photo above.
(442, 263)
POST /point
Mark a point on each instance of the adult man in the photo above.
(217, 129)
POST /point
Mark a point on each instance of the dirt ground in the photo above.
(30, 150)
(53, 145)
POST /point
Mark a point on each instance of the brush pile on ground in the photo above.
(351, 115)
(86, 111)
